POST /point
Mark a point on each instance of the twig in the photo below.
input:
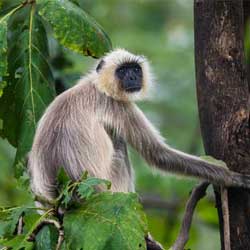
(225, 214)
(43, 200)
(45, 222)
(152, 244)
(60, 239)
(28, 2)
(196, 194)
(152, 201)
(20, 225)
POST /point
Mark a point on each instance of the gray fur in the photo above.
(75, 133)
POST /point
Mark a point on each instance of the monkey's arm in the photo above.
(141, 134)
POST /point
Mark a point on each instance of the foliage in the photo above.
(30, 84)
(29, 80)
(27, 86)
(106, 221)
(67, 21)
(85, 188)
(100, 221)
(3, 48)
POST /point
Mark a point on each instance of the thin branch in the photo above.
(28, 2)
(43, 200)
(225, 215)
(196, 194)
(152, 244)
(45, 222)
(149, 200)
(20, 225)
(60, 239)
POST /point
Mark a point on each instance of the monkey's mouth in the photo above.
(135, 88)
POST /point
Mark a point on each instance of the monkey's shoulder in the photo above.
(78, 96)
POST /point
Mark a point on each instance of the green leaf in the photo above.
(66, 197)
(62, 179)
(65, 187)
(3, 52)
(75, 2)
(3, 47)
(30, 219)
(23, 182)
(66, 193)
(8, 220)
(46, 239)
(31, 86)
(18, 242)
(87, 187)
(74, 28)
(107, 222)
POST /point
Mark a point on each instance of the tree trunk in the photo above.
(223, 99)
(246, 15)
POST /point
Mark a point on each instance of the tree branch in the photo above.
(151, 200)
(196, 194)
(45, 222)
(20, 225)
(152, 244)
(225, 215)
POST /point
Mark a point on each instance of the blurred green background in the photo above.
(162, 31)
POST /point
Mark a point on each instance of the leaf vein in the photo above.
(40, 53)
(30, 62)
(40, 73)
(112, 222)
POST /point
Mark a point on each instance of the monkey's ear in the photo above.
(100, 65)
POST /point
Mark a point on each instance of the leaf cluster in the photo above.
(90, 220)
(27, 82)
(95, 221)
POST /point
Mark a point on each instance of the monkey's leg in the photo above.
(120, 165)
(89, 149)
(43, 175)
(122, 174)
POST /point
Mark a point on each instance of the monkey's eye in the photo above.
(121, 70)
(137, 69)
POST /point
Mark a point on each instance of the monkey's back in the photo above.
(70, 135)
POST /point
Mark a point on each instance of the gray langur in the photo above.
(76, 131)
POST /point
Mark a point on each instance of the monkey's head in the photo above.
(123, 76)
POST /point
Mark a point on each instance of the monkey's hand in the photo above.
(236, 179)
(214, 161)
(240, 180)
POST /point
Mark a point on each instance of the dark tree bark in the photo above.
(246, 10)
(246, 14)
(223, 99)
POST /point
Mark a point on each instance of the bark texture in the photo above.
(223, 99)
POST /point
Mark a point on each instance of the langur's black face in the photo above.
(130, 76)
